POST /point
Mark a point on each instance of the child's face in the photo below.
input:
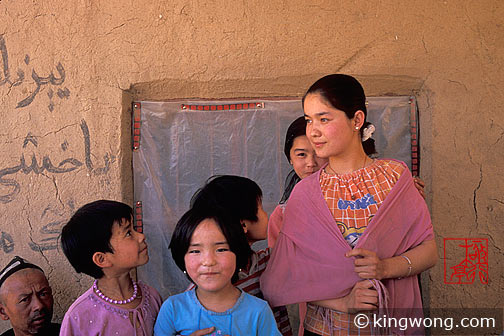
(129, 246)
(304, 160)
(257, 230)
(209, 261)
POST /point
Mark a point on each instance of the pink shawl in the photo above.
(308, 262)
(275, 223)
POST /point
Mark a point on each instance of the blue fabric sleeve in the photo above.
(164, 323)
(267, 325)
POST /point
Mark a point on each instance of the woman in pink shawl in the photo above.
(356, 232)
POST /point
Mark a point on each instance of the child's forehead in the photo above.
(208, 229)
(122, 223)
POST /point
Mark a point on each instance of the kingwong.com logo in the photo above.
(447, 321)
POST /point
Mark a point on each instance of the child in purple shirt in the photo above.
(100, 241)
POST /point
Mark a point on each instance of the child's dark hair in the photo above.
(89, 231)
(236, 195)
(230, 227)
(290, 182)
(296, 128)
(346, 94)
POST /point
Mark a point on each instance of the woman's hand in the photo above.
(367, 264)
(418, 259)
(362, 297)
(420, 185)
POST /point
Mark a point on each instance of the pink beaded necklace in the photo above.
(107, 299)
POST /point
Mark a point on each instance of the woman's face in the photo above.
(303, 158)
(329, 130)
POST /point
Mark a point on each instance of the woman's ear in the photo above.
(101, 260)
(358, 119)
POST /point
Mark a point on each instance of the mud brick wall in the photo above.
(69, 71)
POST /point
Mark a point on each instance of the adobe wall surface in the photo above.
(69, 70)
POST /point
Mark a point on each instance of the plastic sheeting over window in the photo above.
(179, 145)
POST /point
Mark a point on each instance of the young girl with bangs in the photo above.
(210, 249)
(241, 198)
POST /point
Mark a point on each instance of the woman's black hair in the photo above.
(344, 93)
(89, 231)
(230, 227)
(290, 182)
(296, 128)
(236, 195)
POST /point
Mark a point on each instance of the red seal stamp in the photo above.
(464, 259)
